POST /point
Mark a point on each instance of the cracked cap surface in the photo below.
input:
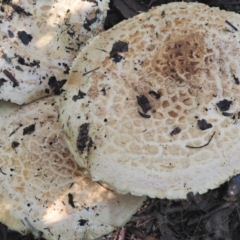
(42, 183)
(155, 109)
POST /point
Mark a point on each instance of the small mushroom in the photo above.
(43, 190)
(189, 56)
(39, 40)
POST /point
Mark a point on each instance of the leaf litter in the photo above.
(213, 215)
(210, 216)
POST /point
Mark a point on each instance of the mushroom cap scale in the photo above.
(39, 42)
(42, 187)
(155, 109)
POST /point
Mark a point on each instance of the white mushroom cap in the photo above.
(155, 109)
(39, 42)
(42, 185)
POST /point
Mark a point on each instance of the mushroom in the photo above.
(155, 109)
(39, 40)
(43, 190)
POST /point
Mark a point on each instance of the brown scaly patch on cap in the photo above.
(188, 56)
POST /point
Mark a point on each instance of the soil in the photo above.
(211, 216)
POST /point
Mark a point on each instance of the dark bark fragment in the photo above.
(11, 78)
(19, 9)
(70, 200)
(236, 79)
(226, 114)
(10, 33)
(118, 47)
(79, 96)
(56, 85)
(203, 124)
(34, 63)
(82, 138)
(143, 103)
(117, 58)
(52, 82)
(88, 22)
(175, 131)
(82, 222)
(15, 144)
(224, 105)
(24, 37)
(58, 90)
(67, 68)
(29, 130)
